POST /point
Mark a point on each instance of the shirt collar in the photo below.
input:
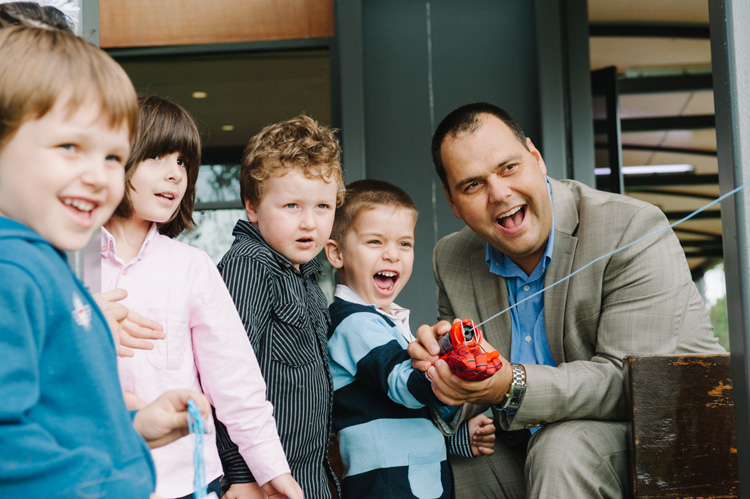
(399, 315)
(307, 269)
(109, 245)
(503, 266)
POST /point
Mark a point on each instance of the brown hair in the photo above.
(164, 127)
(299, 143)
(39, 66)
(364, 195)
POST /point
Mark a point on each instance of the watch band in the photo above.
(516, 391)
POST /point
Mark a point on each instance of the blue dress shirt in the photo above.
(529, 335)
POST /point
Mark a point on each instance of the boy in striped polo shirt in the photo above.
(291, 182)
(381, 410)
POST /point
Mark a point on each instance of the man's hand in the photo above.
(452, 390)
(482, 435)
(165, 419)
(129, 328)
(448, 387)
(283, 486)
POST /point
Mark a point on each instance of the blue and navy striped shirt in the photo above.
(389, 445)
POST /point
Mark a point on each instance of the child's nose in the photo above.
(390, 253)
(308, 220)
(174, 172)
(95, 173)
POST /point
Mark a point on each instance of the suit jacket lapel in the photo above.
(491, 296)
(566, 223)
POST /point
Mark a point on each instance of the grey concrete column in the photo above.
(731, 76)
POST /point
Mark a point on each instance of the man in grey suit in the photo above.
(560, 400)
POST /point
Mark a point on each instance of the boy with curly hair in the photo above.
(291, 182)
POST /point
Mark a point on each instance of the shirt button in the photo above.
(528, 339)
(525, 287)
(125, 272)
(104, 248)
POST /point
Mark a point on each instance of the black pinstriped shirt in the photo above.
(285, 315)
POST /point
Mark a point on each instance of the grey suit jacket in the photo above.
(640, 301)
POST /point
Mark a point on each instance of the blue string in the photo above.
(592, 262)
(197, 425)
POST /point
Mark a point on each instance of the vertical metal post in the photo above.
(731, 67)
(604, 82)
(567, 128)
(87, 261)
(89, 27)
(347, 87)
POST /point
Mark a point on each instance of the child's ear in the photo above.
(252, 213)
(333, 252)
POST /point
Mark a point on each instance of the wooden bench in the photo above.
(682, 436)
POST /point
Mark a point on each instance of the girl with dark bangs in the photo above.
(178, 286)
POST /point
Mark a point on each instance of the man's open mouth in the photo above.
(512, 218)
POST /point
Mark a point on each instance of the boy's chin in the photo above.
(71, 242)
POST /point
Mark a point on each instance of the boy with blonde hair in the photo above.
(291, 182)
(68, 112)
(382, 407)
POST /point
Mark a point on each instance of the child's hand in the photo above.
(283, 486)
(129, 328)
(482, 435)
(249, 490)
(165, 419)
(133, 402)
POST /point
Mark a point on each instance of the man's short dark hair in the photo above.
(467, 119)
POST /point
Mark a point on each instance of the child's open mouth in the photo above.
(167, 198)
(81, 209)
(305, 242)
(79, 204)
(513, 218)
(385, 281)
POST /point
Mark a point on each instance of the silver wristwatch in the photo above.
(516, 391)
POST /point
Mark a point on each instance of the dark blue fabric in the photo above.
(391, 483)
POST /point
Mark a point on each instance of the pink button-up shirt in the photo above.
(206, 349)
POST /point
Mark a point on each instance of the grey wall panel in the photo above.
(421, 60)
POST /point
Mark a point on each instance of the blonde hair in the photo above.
(364, 195)
(300, 143)
(40, 66)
